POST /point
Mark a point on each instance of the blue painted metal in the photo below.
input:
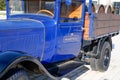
(50, 29)
(22, 35)
(41, 36)
(91, 30)
(90, 7)
(23, 5)
(83, 14)
(7, 9)
(57, 10)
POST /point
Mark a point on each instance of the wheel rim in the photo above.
(106, 58)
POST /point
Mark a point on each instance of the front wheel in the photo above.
(103, 62)
(16, 74)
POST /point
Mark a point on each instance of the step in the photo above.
(66, 67)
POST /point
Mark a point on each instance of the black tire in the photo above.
(16, 74)
(103, 62)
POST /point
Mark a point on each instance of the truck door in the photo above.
(69, 35)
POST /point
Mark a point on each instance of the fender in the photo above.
(100, 44)
(10, 58)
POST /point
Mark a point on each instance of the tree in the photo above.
(2, 4)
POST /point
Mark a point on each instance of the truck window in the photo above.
(116, 8)
(15, 6)
(32, 6)
(72, 12)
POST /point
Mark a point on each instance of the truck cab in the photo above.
(62, 23)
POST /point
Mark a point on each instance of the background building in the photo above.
(113, 4)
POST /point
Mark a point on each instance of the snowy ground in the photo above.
(2, 17)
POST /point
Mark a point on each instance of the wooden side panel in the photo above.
(103, 24)
(86, 26)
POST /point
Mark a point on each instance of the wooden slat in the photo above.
(103, 24)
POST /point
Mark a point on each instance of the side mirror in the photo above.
(68, 2)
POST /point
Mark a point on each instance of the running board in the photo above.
(65, 68)
(61, 70)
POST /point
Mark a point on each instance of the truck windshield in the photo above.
(32, 6)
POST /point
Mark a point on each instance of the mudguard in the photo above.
(10, 58)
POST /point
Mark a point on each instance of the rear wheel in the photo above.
(102, 63)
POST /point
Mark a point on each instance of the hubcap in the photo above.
(106, 58)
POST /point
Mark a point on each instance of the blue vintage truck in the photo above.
(54, 37)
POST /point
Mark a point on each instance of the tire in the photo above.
(16, 74)
(103, 62)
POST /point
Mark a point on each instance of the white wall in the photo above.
(107, 2)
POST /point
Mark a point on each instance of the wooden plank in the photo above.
(103, 24)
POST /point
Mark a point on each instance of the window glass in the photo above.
(32, 6)
(72, 12)
(15, 6)
(117, 8)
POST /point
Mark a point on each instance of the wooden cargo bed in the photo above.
(100, 25)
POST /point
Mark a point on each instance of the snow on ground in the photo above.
(2, 16)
